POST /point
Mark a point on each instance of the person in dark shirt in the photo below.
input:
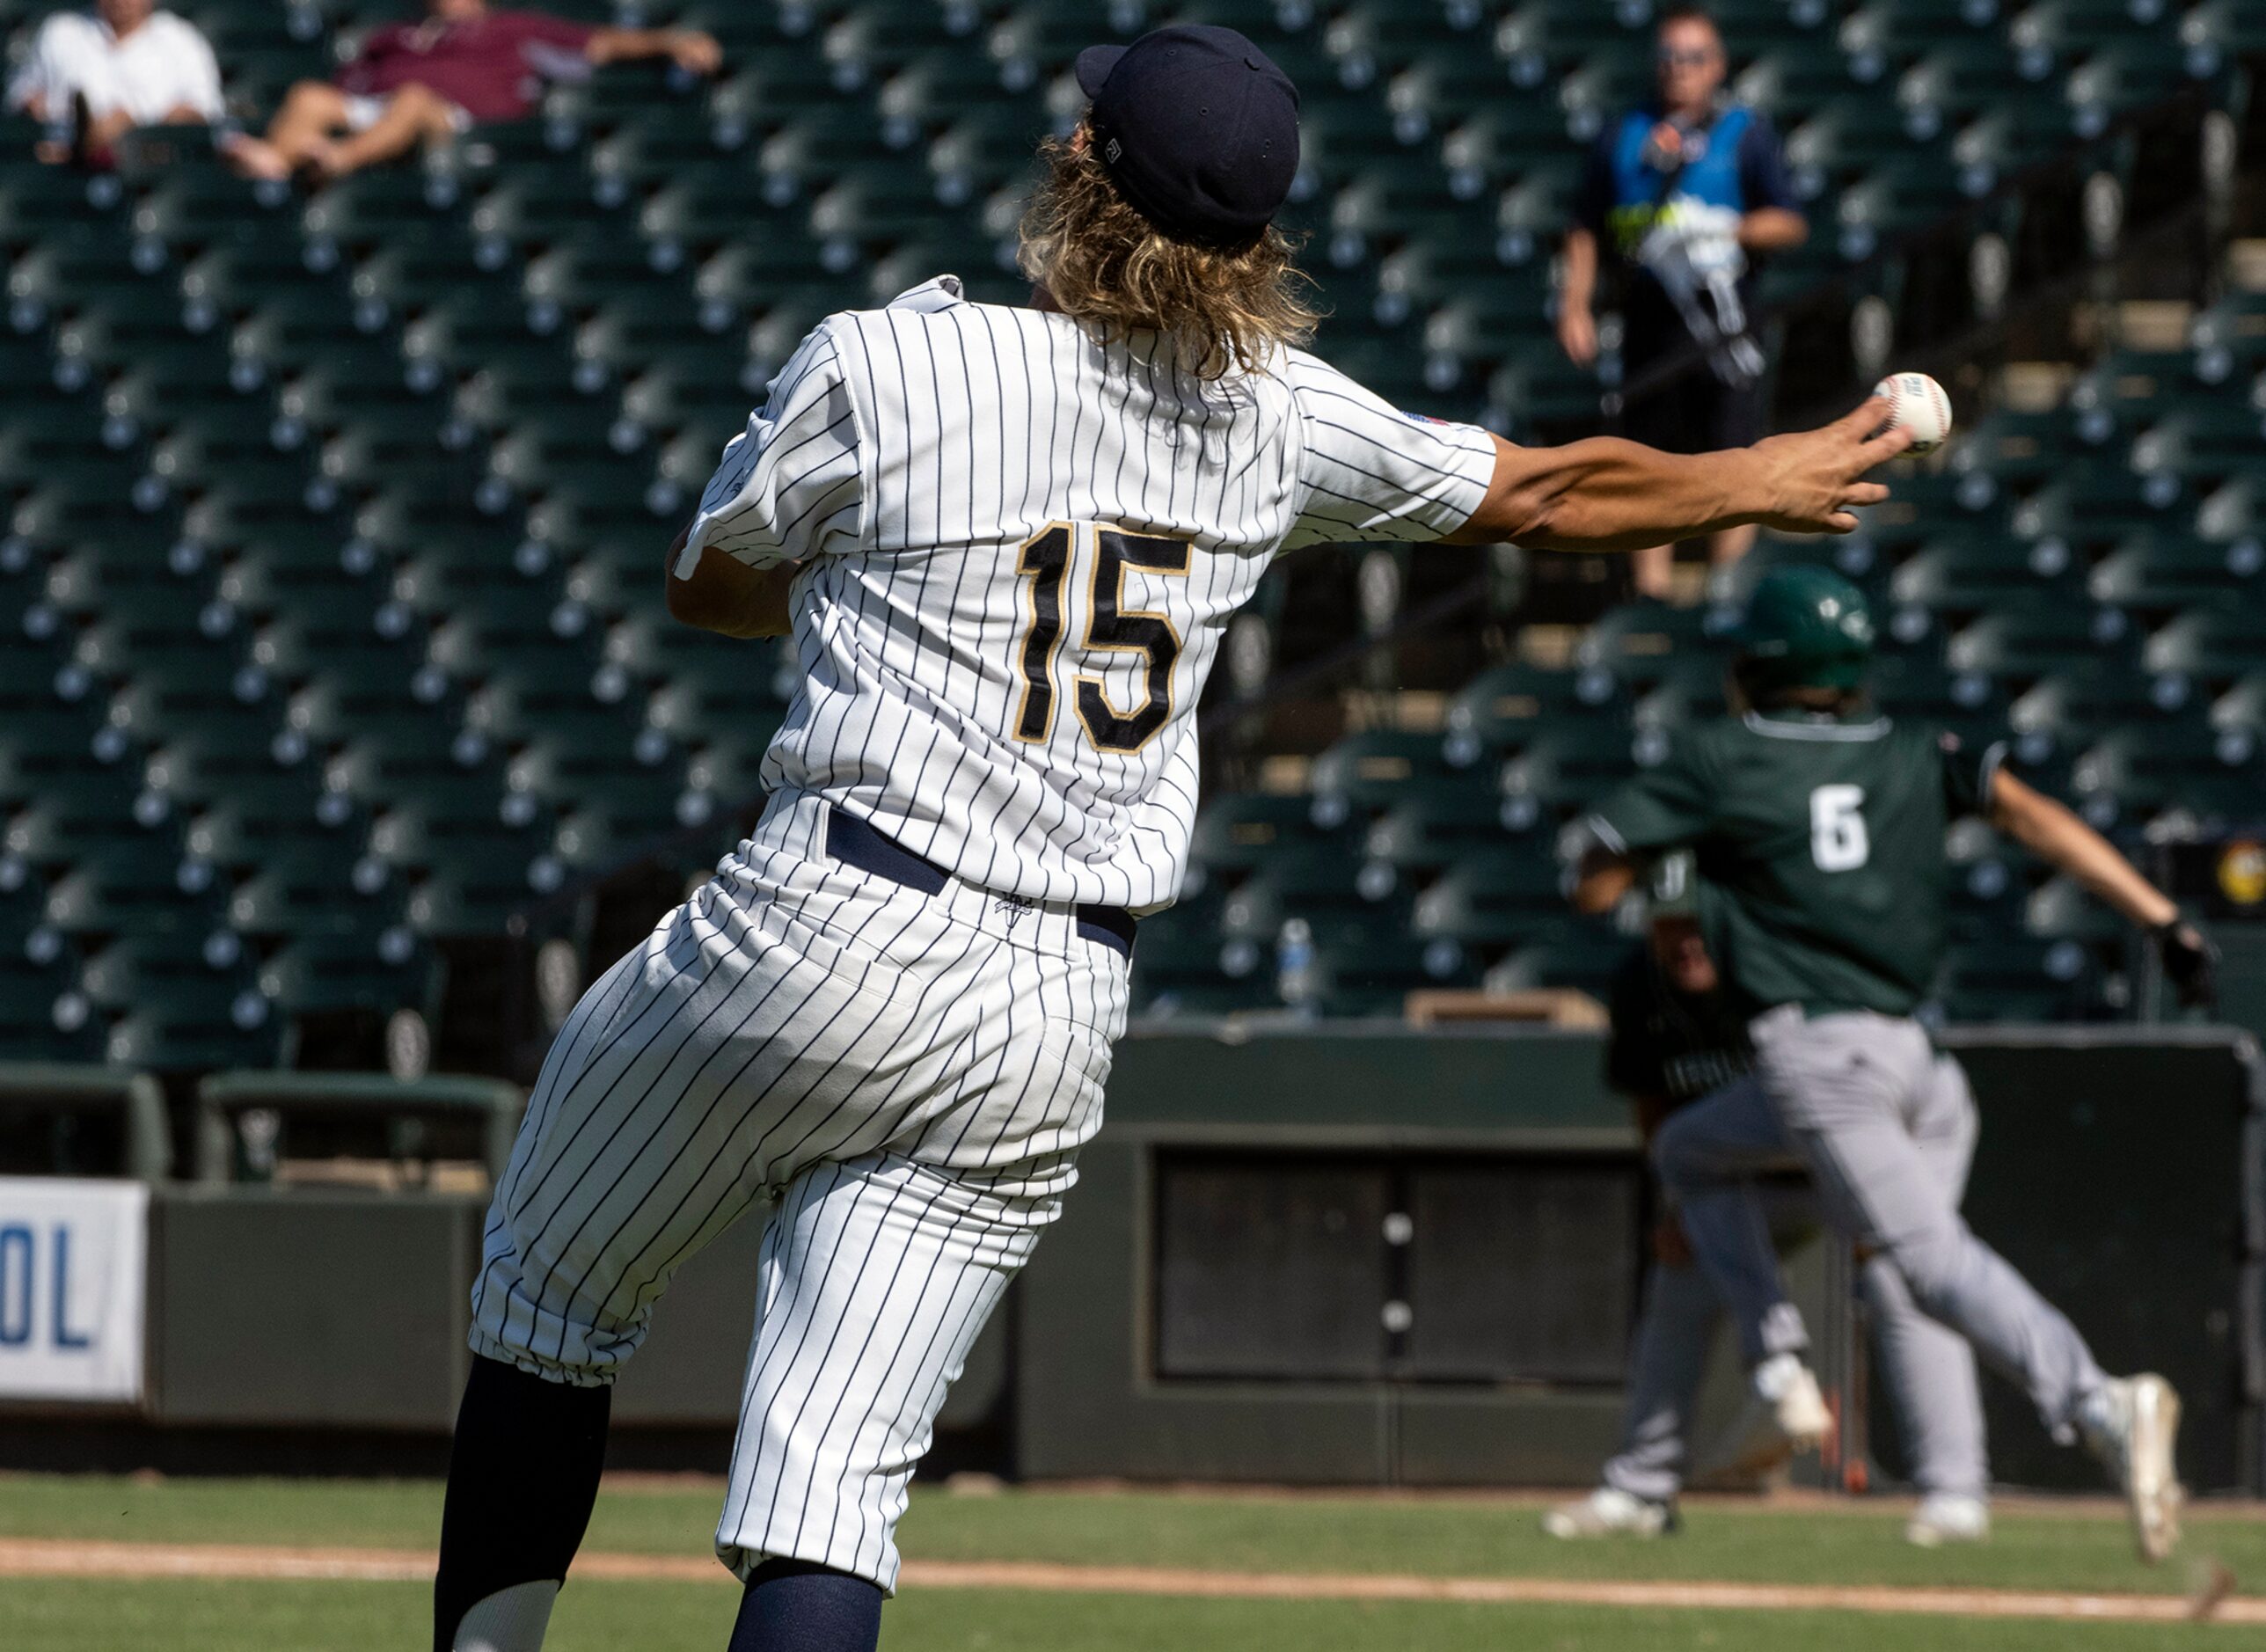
(1819, 826)
(1682, 193)
(413, 83)
(1676, 1036)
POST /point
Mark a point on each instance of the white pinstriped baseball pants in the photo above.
(908, 1075)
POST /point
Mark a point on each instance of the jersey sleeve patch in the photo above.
(1367, 471)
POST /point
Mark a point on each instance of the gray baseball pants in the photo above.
(1929, 1370)
(1871, 1108)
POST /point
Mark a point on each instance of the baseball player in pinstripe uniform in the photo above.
(1006, 542)
(1820, 825)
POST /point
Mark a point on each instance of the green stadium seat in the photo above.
(2212, 773)
(411, 273)
(1368, 772)
(2133, 73)
(372, 209)
(1184, 966)
(2072, 709)
(96, 266)
(2159, 572)
(2029, 643)
(326, 974)
(1438, 829)
(2095, 501)
(1796, 79)
(1368, 966)
(2017, 981)
(38, 202)
(121, 887)
(2128, 389)
(1502, 709)
(981, 150)
(1646, 643)
(1241, 832)
(1509, 143)
(2235, 28)
(346, 641)
(190, 207)
(481, 880)
(44, 1016)
(1570, 768)
(2021, 448)
(1539, 388)
(1968, 573)
(2211, 644)
(317, 890)
(2203, 443)
(534, 204)
(493, 329)
(1585, 961)
(1969, 705)
(1511, 894)
(1966, 74)
(1310, 881)
(621, 92)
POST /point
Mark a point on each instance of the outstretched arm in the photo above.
(688, 48)
(2056, 835)
(1607, 494)
(725, 595)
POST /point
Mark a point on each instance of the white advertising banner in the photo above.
(73, 1255)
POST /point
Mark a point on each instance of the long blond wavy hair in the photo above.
(1105, 264)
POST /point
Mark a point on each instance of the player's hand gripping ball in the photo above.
(1919, 404)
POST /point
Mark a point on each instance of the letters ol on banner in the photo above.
(73, 1255)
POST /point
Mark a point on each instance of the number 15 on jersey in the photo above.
(1046, 561)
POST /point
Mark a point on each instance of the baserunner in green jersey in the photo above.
(1819, 826)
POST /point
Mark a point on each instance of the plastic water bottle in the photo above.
(1294, 963)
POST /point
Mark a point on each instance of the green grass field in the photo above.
(2052, 1549)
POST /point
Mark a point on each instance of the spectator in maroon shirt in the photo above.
(463, 63)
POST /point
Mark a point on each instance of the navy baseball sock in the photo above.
(800, 1606)
(522, 1476)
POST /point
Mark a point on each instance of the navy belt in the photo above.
(854, 843)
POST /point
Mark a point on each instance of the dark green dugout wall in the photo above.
(2122, 1175)
(1344, 1253)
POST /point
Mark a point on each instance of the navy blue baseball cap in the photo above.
(1198, 129)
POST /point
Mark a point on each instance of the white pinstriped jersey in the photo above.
(1022, 547)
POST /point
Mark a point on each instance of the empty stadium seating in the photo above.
(330, 637)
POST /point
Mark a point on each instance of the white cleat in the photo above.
(1608, 1512)
(2132, 1425)
(1946, 1517)
(1785, 1413)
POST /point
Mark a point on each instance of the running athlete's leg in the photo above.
(877, 1275)
(1849, 1088)
(1928, 1369)
(1708, 1155)
(1667, 1361)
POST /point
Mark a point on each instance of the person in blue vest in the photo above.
(1682, 196)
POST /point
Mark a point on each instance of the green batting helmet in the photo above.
(1805, 627)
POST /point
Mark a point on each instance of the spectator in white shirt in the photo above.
(122, 65)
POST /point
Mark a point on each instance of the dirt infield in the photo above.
(45, 1557)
